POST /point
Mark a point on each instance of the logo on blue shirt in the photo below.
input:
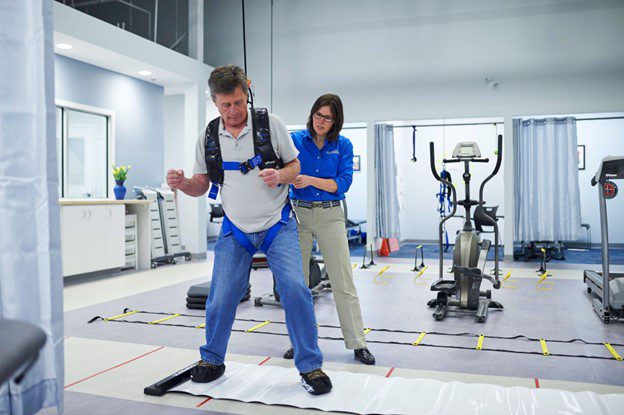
(333, 152)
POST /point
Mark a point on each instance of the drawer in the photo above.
(131, 221)
(131, 262)
(130, 234)
(130, 249)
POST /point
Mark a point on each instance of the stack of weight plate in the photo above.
(198, 294)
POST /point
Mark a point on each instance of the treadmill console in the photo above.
(466, 150)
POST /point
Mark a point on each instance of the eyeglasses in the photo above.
(326, 118)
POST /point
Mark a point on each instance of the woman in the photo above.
(326, 159)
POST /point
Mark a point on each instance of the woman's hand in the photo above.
(302, 181)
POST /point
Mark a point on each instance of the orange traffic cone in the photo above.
(384, 251)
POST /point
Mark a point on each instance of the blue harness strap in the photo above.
(241, 237)
(244, 167)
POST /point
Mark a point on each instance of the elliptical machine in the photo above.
(469, 254)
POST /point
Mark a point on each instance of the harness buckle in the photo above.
(245, 167)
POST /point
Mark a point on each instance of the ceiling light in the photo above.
(145, 73)
(65, 46)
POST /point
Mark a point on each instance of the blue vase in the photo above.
(120, 190)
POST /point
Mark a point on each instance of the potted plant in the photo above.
(120, 174)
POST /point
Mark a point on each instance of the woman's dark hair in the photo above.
(335, 104)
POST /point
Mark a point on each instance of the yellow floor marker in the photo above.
(354, 265)
(418, 277)
(164, 319)
(511, 284)
(544, 347)
(480, 342)
(379, 274)
(543, 285)
(201, 326)
(367, 330)
(613, 352)
(121, 315)
(256, 327)
(419, 339)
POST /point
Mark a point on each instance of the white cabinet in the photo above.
(92, 238)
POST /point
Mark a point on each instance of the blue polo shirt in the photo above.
(333, 161)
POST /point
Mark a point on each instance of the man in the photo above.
(230, 154)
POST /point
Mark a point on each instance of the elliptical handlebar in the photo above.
(487, 218)
(499, 160)
(454, 204)
(432, 161)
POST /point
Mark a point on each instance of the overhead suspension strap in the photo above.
(444, 202)
(413, 143)
(245, 53)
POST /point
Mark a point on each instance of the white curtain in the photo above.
(31, 283)
(546, 180)
(387, 220)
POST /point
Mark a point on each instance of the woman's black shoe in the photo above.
(206, 372)
(364, 356)
(290, 354)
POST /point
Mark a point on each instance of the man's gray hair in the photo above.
(225, 79)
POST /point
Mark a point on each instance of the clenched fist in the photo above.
(271, 177)
(175, 178)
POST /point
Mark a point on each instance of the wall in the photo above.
(139, 114)
(427, 59)
(601, 138)
(356, 196)
(419, 217)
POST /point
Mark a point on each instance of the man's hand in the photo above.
(302, 181)
(271, 177)
(175, 178)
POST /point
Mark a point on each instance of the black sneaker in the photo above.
(205, 372)
(290, 354)
(364, 356)
(316, 382)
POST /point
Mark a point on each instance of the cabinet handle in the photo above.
(84, 213)
(89, 213)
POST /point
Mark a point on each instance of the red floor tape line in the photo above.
(389, 372)
(203, 402)
(114, 367)
(264, 361)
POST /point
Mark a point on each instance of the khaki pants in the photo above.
(328, 227)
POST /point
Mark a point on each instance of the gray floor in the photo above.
(563, 313)
(81, 404)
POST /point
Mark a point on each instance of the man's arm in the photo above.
(194, 186)
(285, 175)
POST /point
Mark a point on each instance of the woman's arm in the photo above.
(328, 185)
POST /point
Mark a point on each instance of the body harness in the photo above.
(264, 157)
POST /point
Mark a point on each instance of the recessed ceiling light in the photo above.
(65, 46)
(145, 73)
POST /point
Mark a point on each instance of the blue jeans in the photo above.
(230, 276)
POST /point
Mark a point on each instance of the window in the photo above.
(82, 140)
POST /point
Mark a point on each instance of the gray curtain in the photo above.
(31, 281)
(387, 220)
(546, 180)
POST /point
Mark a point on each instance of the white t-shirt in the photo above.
(248, 202)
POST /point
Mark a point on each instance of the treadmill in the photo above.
(607, 287)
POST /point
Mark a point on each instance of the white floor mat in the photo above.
(371, 394)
